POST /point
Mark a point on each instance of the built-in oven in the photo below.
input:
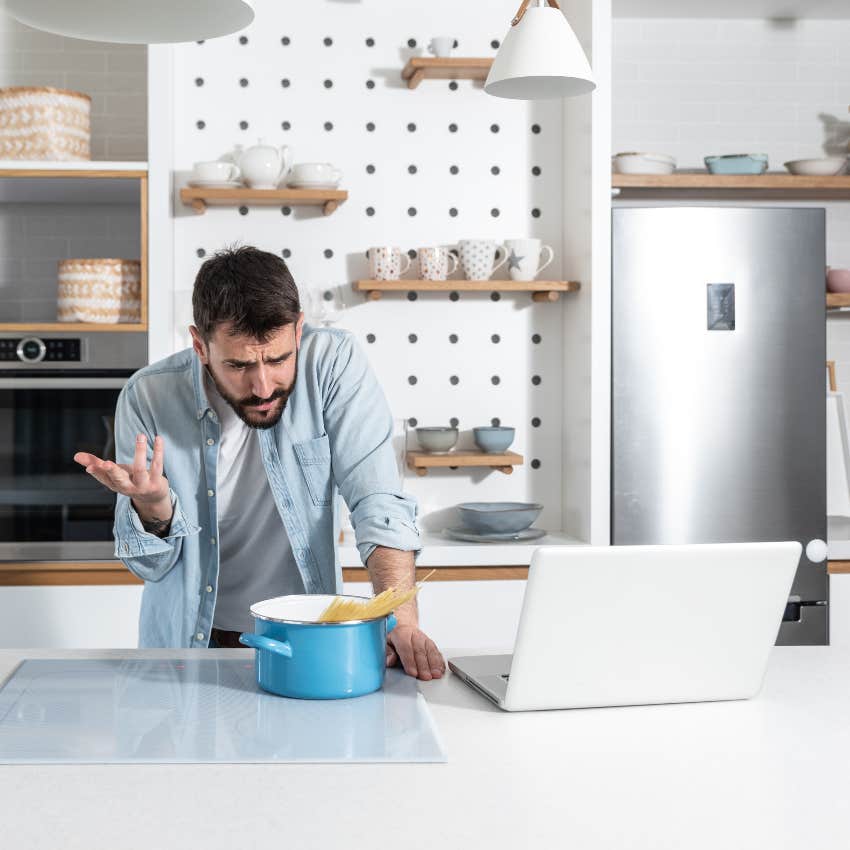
(57, 397)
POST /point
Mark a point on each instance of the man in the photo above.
(264, 419)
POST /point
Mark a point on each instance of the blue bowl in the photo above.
(298, 657)
(737, 163)
(502, 517)
(493, 439)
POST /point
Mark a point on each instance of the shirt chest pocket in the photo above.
(314, 457)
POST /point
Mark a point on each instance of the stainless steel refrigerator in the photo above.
(718, 393)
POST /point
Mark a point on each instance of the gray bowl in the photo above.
(503, 517)
(436, 439)
(493, 438)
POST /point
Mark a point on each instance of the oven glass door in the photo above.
(45, 496)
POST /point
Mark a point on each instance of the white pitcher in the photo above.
(264, 166)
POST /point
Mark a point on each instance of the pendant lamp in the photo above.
(135, 21)
(540, 57)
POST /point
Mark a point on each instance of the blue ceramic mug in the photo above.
(298, 657)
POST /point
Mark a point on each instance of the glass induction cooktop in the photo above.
(200, 710)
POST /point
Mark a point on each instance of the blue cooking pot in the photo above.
(298, 657)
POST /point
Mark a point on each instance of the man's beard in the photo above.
(267, 418)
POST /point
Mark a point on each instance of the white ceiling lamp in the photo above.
(540, 57)
(135, 21)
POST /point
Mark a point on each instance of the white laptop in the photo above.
(633, 625)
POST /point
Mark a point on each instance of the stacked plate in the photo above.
(497, 522)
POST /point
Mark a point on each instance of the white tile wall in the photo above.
(692, 88)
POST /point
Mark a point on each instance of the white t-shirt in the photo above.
(255, 556)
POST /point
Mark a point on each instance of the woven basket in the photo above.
(100, 290)
(44, 123)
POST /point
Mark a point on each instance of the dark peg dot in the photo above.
(536, 339)
(495, 170)
(413, 421)
(411, 127)
(411, 42)
(329, 126)
(412, 338)
(328, 253)
(327, 41)
(454, 380)
(286, 210)
(453, 85)
(411, 211)
(200, 124)
(243, 125)
(199, 81)
(536, 171)
(495, 380)
(453, 338)
(412, 169)
(495, 296)
(454, 170)
(370, 169)
(286, 253)
(412, 380)
(535, 128)
(285, 41)
(495, 44)
(328, 84)
(243, 82)
(201, 41)
(285, 125)
(535, 213)
(454, 421)
(454, 296)
(411, 252)
(370, 338)
(494, 212)
(455, 44)
(453, 212)
(201, 252)
(370, 84)
(535, 423)
(453, 128)
(495, 339)
(535, 379)
(328, 295)
(495, 422)
(371, 126)
(370, 211)
(243, 39)
(535, 464)
(285, 83)
(412, 296)
(494, 128)
(370, 42)
(243, 210)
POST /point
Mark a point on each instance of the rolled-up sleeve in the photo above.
(360, 430)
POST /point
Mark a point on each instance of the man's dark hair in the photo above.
(251, 289)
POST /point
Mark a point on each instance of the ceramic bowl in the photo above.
(498, 517)
(737, 163)
(838, 280)
(493, 438)
(436, 439)
(643, 163)
(827, 166)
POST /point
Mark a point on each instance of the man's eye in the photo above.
(237, 368)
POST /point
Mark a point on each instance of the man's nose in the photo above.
(262, 386)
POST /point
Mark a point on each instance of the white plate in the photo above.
(475, 537)
(216, 184)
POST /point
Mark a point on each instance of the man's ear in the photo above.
(299, 329)
(199, 345)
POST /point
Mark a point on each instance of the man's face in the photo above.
(255, 378)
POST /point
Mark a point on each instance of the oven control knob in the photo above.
(31, 350)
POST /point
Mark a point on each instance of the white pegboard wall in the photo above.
(431, 166)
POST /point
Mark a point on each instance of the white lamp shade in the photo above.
(540, 58)
(135, 21)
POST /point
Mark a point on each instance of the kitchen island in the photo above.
(764, 773)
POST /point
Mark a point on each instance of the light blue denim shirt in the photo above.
(334, 436)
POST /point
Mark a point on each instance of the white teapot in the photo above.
(263, 166)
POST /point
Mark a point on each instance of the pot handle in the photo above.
(279, 647)
(391, 623)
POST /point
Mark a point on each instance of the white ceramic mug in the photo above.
(436, 263)
(478, 258)
(314, 172)
(524, 258)
(221, 172)
(441, 46)
(387, 263)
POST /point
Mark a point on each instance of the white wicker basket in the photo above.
(99, 290)
(39, 122)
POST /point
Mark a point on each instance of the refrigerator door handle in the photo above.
(816, 551)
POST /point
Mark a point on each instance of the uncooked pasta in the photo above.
(342, 608)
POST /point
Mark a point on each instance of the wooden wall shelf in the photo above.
(421, 462)
(541, 290)
(837, 299)
(200, 199)
(774, 182)
(426, 68)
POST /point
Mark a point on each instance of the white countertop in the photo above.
(763, 774)
(440, 551)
